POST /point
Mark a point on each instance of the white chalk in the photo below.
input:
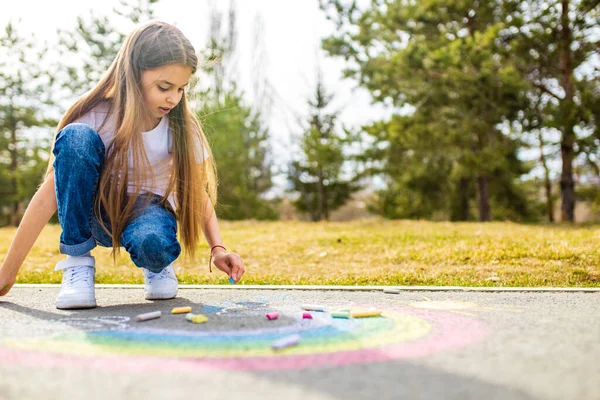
(312, 307)
(391, 291)
(147, 316)
(286, 342)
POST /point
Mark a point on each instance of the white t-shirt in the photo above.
(157, 144)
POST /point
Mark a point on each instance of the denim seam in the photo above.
(102, 149)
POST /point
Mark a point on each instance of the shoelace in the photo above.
(164, 274)
(76, 275)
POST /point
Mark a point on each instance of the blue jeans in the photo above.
(150, 238)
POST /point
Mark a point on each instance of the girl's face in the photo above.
(163, 87)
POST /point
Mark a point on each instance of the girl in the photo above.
(129, 165)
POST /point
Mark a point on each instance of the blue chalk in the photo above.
(231, 280)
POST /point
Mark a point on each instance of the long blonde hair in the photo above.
(151, 46)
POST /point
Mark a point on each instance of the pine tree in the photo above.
(95, 42)
(23, 103)
(318, 174)
(445, 59)
(554, 45)
(237, 133)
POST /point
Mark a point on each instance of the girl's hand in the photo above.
(7, 280)
(230, 263)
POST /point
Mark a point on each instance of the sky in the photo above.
(292, 33)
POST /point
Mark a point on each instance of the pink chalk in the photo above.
(273, 315)
(306, 315)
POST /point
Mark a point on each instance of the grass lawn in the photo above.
(370, 252)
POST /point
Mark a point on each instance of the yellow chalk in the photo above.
(363, 314)
(181, 310)
(196, 318)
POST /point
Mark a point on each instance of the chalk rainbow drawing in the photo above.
(116, 343)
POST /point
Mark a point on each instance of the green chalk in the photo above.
(341, 314)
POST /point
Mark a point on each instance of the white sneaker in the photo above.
(77, 289)
(162, 285)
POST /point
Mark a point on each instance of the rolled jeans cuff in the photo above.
(77, 249)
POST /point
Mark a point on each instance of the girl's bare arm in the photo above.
(38, 213)
(211, 230)
(230, 263)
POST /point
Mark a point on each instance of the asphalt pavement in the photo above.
(424, 345)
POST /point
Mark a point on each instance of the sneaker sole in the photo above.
(75, 305)
(159, 296)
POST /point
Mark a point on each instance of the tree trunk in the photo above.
(567, 184)
(484, 198)
(547, 181)
(17, 214)
(462, 208)
(325, 204)
(321, 195)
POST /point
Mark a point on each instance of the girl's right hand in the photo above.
(7, 280)
(231, 264)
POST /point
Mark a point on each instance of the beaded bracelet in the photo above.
(211, 256)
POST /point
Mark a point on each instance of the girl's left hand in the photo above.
(231, 264)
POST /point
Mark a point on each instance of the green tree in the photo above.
(236, 131)
(554, 44)
(446, 59)
(318, 174)
(238, 141)
(95, 42)
(23, 103)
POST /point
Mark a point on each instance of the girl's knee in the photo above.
(154, 251)
(78, 139)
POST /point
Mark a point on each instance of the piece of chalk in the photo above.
(286, 342)
(231, 280)
(341, 314)
(273, 315)
(312, 307)
(196, 318)
(364, 314)
(306, 315)
(147, 316)
(181, 310)
(391, 291)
